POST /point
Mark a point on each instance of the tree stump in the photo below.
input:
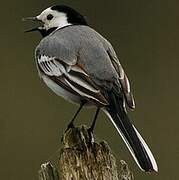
(81, 159)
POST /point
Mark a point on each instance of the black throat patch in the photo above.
(45, 32)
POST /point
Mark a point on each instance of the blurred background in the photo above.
(32, 118)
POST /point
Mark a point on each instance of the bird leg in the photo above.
(70, 125)
(91, 129)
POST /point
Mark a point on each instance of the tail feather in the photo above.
(134, 141)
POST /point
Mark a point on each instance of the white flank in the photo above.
(60, 91)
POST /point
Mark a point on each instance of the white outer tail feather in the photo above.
(154, 164)
(152, 159)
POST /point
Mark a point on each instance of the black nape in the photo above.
(73, 16)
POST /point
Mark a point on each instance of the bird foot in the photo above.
(70, 126)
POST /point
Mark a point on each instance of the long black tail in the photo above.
(135, 143)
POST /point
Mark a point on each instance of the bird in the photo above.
(80, 65)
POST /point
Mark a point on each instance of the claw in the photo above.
(70, 126)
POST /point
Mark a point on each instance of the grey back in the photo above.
(82, 45)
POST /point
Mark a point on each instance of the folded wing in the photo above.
(122, 78)
(71, 77)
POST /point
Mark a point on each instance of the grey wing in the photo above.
(60, 64)
(122, 77)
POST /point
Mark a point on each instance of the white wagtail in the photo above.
(80, 65)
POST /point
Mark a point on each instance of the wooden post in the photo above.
(79, 159)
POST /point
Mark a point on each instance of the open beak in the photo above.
(32, 19)
(31, 30)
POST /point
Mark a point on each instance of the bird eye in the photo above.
(50, 17)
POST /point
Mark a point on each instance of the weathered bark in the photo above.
(81, 159)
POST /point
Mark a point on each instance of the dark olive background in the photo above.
(32, 118)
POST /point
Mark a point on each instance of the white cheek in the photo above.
(58, 22)
(47, 25)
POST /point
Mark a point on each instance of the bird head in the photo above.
(56, 17)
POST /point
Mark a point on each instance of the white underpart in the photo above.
(154, 165)
(59, 20)
(60, 91)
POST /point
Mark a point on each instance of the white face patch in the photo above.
(59, 19)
